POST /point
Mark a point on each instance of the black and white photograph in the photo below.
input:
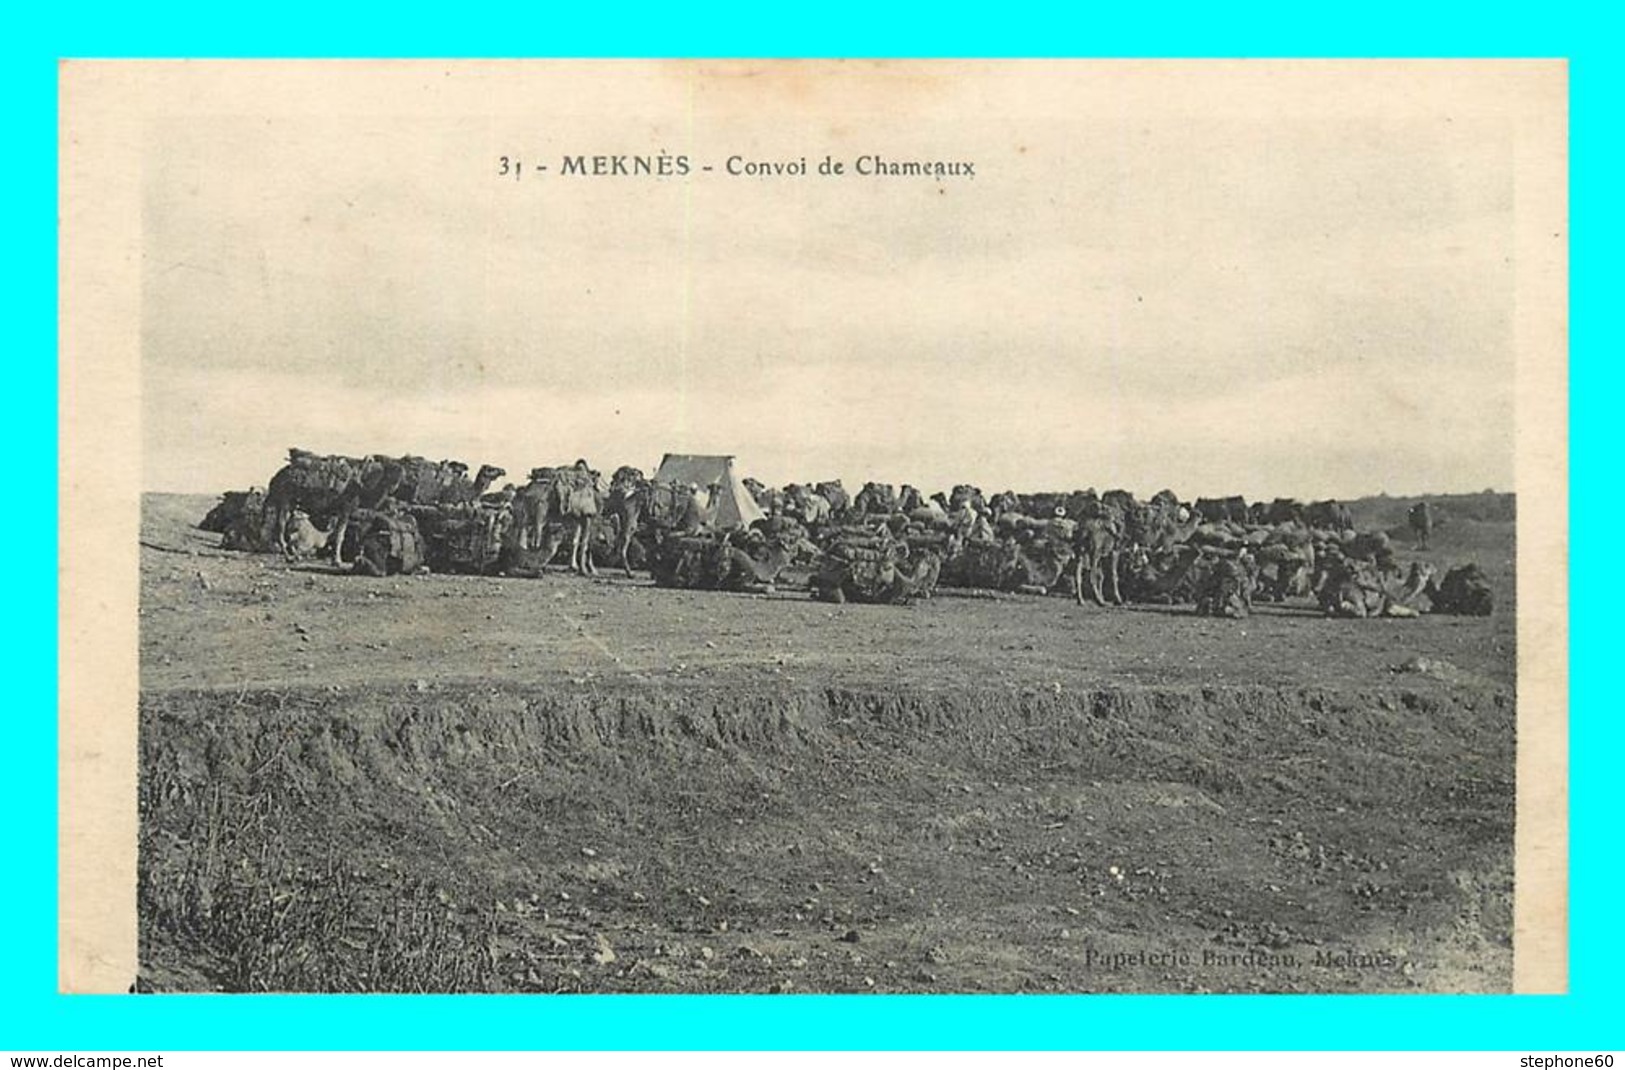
(817, 526)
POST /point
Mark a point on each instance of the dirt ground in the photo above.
(563, 784)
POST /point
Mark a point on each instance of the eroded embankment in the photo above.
(732, 839)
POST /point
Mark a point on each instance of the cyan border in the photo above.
(32, 1016)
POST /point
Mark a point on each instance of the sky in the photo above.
(1217, 280)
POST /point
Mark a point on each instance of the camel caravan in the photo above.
(695, 524)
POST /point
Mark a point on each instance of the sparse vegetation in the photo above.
(232, 879)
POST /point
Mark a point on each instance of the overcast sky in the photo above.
(1150, 281)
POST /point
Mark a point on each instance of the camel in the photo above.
(558, 504)
(1329, 515)
(444, 482)
(536, 533)
(1004, 502)
(641, 506)
(1465, 591)
(1165, 576)
(1285, 566)
(832, 492)
(875, 498)
(483, 481)
(743, 563)
(877, 582)
(625, 507)
(390, 544)
(738, 570)
(807, 506)
(1120, 500)
(377, 480)
(1097, 561)
(467, 537)
(1360, 589)
(230, 508)
(301, 537)
(245, 530)
(964, 494)
(1158, 526)
(1041, 565)
(1219, 510)
(308, 482)
(1280, 511)
(326, 488)
(759, 492)
(1167, 502)
(1227, 588)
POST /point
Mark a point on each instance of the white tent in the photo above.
(733, 504)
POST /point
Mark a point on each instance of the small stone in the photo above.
(707, 954)
(850, 936)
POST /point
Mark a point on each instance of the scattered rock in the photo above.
(605, 954)
(850, 937)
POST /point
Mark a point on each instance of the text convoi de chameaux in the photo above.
(665, 165)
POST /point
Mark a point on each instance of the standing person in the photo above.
(1421, 517)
